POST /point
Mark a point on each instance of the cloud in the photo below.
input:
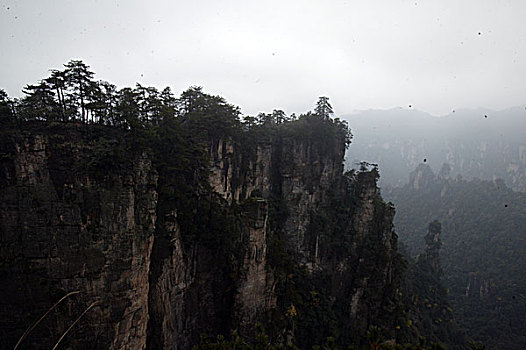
(282, 54)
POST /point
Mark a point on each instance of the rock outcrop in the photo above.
(66, 230)
(92, 214)
(432, 251)
(421, 177)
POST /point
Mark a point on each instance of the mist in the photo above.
(435, 56)
(303, 174)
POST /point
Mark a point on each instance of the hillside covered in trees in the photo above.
(483, 253)
(158, 221)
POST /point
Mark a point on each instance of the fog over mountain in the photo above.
(435, 55)
(474, 142)
(173, 174)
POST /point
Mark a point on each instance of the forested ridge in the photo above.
(73, 95)
(484, 249)
(403, 299)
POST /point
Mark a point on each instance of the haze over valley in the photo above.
(263, 175)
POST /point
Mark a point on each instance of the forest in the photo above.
(73, 95)
(484, 249)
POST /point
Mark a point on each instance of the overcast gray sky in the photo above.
(435, 55)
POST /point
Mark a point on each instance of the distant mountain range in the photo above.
(476, 143)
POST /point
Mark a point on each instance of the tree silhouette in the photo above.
(79, 79)
(323, 108)
(57, 81)
(7, 112)
(39, 102)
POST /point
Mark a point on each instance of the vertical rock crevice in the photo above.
(65, 230)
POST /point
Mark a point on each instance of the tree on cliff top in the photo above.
(79, 78)
(6, 107)
(73, 95)
(39, 102)
(208, 112)
(323, 108)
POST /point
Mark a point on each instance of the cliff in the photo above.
(428, 298)
(163, 241)
(66, 228)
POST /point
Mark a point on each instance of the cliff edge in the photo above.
(152, 239)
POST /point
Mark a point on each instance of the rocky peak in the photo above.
(432, 250)
(421, 177)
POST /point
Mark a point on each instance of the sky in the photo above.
(432, 55)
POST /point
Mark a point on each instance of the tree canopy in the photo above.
(74, 95)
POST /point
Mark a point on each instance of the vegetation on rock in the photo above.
(483, 251)
(336, 277)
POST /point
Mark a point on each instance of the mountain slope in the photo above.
(484, 249)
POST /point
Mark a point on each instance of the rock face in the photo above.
(306, 176)
(76, 217)
(479, 288)
(64, 230)
(433, 244)
(373, 229)
(236, 177)
(255, 293)
(421, 177)
(193, 291)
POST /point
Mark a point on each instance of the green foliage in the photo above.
(483, 253)
(476, 345)
(374, 337)
(261, 341)
(72, 94)
(39, 103)
(323, 108)
(236, 342)
(206, 112)
(106, 157)
(326, 135)
(83, 89)
(6, 108)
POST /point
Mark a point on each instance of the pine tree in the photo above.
(57, 81)
(39, 103)
(79, 79)
(323, 108)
